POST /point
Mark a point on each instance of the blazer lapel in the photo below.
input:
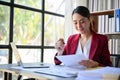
(75, 42)
(94, 46)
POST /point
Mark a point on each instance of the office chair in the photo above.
(20, 76)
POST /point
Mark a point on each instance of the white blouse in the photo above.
(86, 48)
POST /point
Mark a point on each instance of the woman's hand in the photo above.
(59, 45)
(89, 63)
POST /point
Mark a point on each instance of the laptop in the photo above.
(20, 63)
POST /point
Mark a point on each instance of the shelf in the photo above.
(105, 12)
(113, 33)
(94, 17)
(115, 55)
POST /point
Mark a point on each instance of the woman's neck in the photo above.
(86, 36)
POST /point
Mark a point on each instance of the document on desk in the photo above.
(72, 60)
(59, 70)
(105, 73)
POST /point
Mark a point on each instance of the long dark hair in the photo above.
(84, 12)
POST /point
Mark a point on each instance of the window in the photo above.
(34, 25)
(3, 56)
(4, 24)
(55, 6)
(27, 26)
(30, 3)
(54, 29)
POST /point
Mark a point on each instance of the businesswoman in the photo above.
(93, 45)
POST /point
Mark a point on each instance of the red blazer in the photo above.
(98, 51)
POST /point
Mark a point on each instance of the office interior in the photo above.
(35, 26)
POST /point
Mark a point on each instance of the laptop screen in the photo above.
(16, 53)
(20, 63)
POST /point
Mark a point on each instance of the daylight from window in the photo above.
(27, 28)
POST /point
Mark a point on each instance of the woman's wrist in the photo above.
(59, 53)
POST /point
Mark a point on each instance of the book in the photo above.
(117, 20)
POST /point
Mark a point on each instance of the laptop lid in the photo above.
(16, 54)
(20, 63)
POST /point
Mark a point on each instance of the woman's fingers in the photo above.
(89, 63)
(59, 45)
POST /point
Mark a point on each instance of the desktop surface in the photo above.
(9, 69)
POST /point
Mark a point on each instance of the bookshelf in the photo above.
(99, 21)
(104, 12)
(95, 22)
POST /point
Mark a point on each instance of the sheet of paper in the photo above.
(99, 74)
(71, 60)
(59, 70)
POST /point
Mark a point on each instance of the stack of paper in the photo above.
(106, 73)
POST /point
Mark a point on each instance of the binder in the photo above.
(117, 20)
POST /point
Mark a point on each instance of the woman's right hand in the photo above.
(59, 45)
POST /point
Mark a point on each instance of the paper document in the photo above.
(71, 60)
(61, 71)
(105, 73)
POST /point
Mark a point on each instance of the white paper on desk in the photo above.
(98, 74)
(71, 60)
(59, 70)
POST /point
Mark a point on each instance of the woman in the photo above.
(94, 46)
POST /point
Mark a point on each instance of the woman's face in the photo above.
(82, 24)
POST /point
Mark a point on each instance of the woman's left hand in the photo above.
(89, 63)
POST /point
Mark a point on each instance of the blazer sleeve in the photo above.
(99, 50)
(105, 55)
(58, 62)
(70, 47)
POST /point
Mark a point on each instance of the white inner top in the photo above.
(86, 48)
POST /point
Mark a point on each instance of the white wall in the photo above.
(69, 6)
(80, 3)
(68, 18)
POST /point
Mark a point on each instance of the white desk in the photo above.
(7, 70)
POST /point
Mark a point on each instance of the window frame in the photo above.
(12, 5)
